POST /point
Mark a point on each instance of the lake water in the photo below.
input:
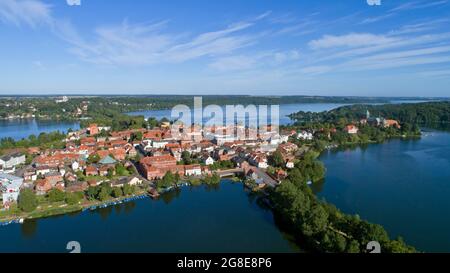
(22, 128)
(199, 219)
(402, 185)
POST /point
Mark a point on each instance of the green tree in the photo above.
(27, 201)
(92, 193)
(93, 159)
(56, 195)
(167, 181)
(104, 194)
(117, 192)
(73, 198)
(110, 174)
(186, 157)
(277, 159)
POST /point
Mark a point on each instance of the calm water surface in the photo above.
(402, 185)
(201, 219)
(22, 128)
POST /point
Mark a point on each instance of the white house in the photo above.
(10, 188)
(208, 160)
(305, 135)
(259, 161)
(104, 128)
(75, 166)
(42, 170)
(193, 170)
(134, 181)
(159, 144)
(290, 164)
(9, 162)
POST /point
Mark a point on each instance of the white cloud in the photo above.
(419, 5)
(419, 27)
(349, 40)
(29, 12)
(254, 61)
(146, 44)
(377, 18)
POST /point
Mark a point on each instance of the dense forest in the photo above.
(412, 113)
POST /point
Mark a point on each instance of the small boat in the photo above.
(21, 220)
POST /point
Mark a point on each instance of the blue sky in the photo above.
(256, 47)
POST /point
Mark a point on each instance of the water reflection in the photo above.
(168, 197)
(29, 228)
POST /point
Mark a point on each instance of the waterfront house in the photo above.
(153, 167)
(253, 175)
(134, 181)
(193, 170)
(391, 123)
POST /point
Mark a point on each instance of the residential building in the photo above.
(193, 170)
(305, 135)
(351, 129)
(93, 129)
(10, 188)
(208, 160)
(9, 162)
